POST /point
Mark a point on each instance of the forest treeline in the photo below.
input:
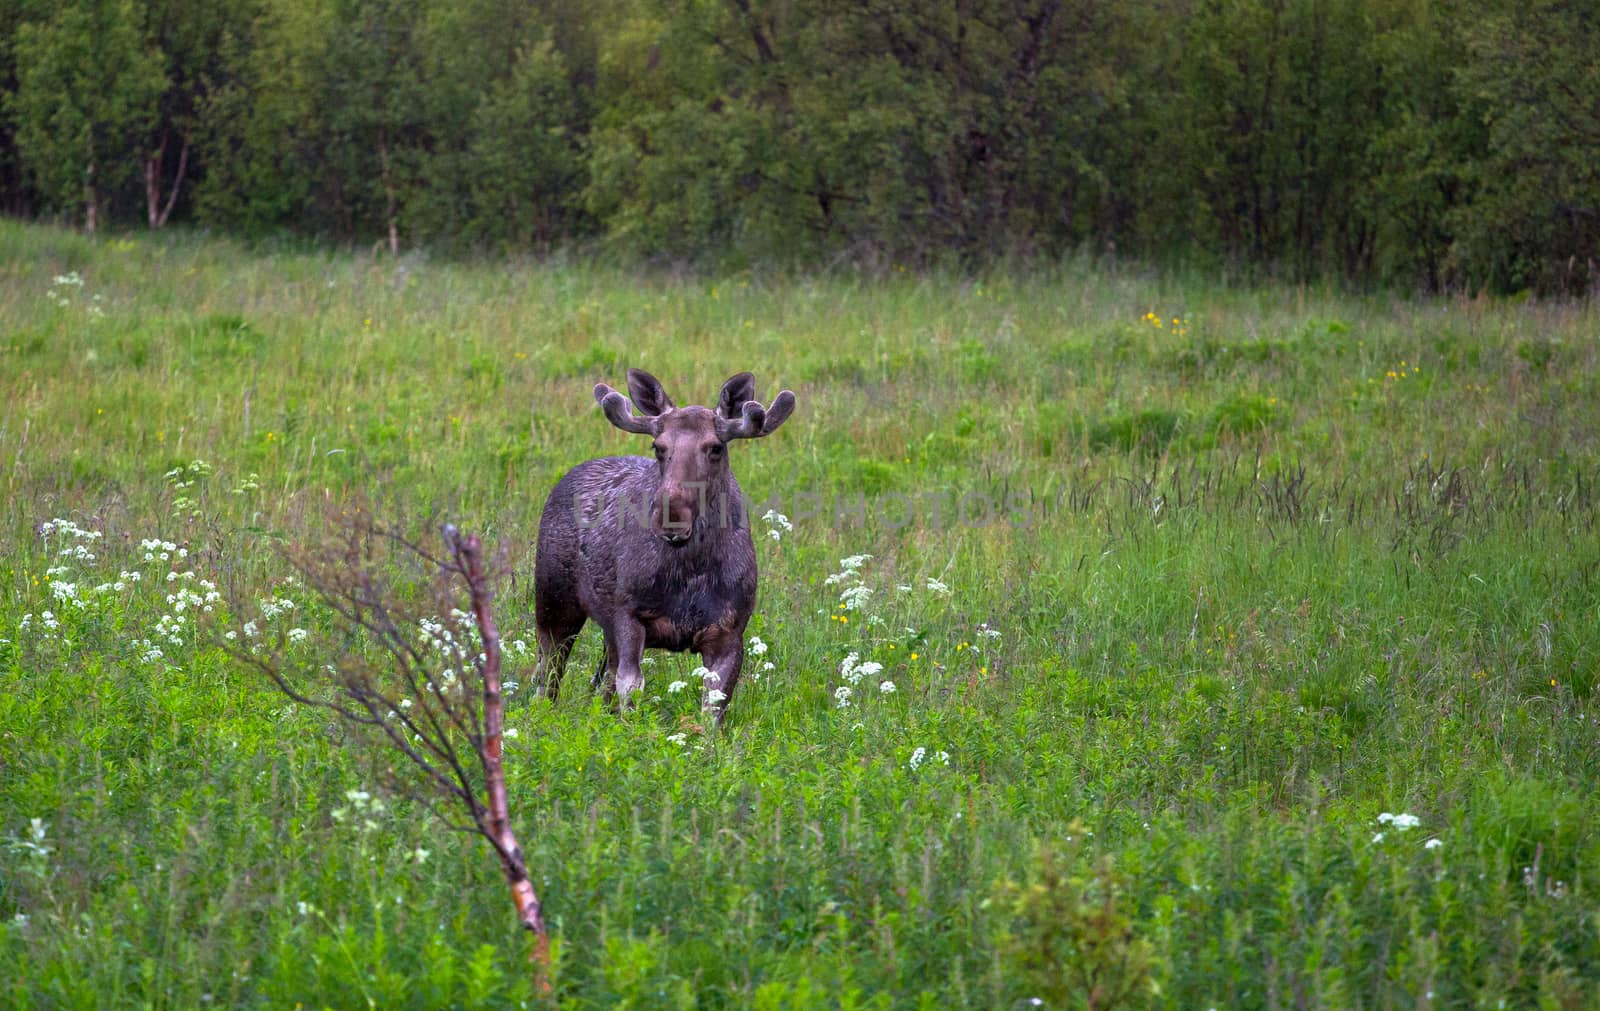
(1439, 144)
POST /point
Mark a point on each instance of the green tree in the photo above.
(192, 34)
(875, 128)
(371, 96)
(525, 166)
(1534, 218)
(318, 124)
(87, 92)
(1281, 100)
(1425, 153)
(506, 101)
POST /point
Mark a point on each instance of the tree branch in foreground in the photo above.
(414, 674)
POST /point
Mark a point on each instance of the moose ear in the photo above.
(782, 406)
(735, 392)
(620, 414)
(648, 395)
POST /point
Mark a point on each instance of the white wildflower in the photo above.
(938, 586)
(920, 755)
(298, 635)
(1433, 844)
(676, 687)
(66, 593)
(855, 597)
(841, 695)
(35, 844)
(511, 733)
(886, 687)
(275, 606)
(1401, 822)
(757, 647)
(778, 522)
(678, 739)
(847, 668)
(848, 570)
(716, 696)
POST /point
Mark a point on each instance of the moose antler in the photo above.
(619, 411)
(756, 421)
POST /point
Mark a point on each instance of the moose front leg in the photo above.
(722, 652)
(624, 652)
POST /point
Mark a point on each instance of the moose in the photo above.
(657, 552)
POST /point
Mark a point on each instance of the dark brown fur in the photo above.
(658, 553)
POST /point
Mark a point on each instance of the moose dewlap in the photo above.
(657, 552)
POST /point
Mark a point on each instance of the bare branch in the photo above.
(413, 683)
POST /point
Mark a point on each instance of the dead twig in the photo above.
(383, 681)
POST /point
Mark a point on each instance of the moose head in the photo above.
(691, 443)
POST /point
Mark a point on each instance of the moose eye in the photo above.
(661, 451)
(717, 449)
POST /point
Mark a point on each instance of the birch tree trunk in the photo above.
(389, 197)
(156, 211)
(89, 194)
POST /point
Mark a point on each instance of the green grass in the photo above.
(1257, 578)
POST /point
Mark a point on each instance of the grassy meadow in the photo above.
(1243, 640)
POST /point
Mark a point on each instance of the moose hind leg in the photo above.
(602, 667)
(555, 645)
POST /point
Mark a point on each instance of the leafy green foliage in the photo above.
(1533, 223)
(1390, 141)
(86, 93)
(1068, 941)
